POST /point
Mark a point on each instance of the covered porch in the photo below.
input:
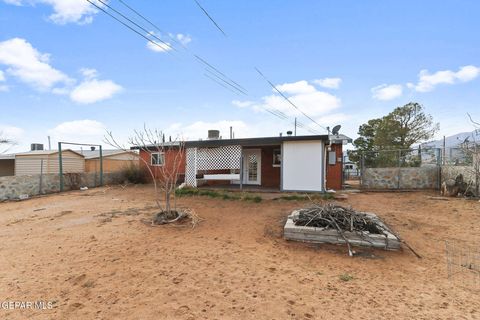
(235, 167)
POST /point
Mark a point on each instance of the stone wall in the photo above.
(13, 187)
(426, 177)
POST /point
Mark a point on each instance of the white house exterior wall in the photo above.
(303, 164)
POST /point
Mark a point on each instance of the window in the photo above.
(332, 158)
(157, 159)
(277, 157)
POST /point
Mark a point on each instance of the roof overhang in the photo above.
(251, 142)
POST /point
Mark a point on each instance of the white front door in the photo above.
(252, 163)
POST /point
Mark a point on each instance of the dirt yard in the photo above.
(89, 253)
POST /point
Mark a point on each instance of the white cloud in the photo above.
(299, 87)
(11, 132)
(387, 92)
(4, 88)
(93, 90)
(80, 131)
(243, 104)
(330, 83)
(65, 11)
(159, 46)
(166, 46)
(28, 65)
(314, 103)
(428, 81)
(89, 73)
(183, 38)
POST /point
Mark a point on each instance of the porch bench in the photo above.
(231, 176)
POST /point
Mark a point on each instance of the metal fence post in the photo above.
(101, 166)
(60, 166)
(41, 177)
(399, 166)
(362, 168)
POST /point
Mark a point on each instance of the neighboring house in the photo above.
(46, 162)
(113, 160)
(286, 163)
(7, 165)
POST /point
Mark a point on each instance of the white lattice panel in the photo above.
(227, 157)
(191, 169)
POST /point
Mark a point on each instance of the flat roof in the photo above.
(249, 142)
(264, 141)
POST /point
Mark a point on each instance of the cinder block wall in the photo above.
(14, 186)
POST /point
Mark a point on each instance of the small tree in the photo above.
(164, 175)
(398, 130)
(471, 149)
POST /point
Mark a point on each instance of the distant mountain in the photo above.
(455, 140)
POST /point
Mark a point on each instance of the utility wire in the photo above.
(151, 23)
(228, 83)
(203, 61)
(287, 99)
(126, 25)
(209, 67)
(220, 83)
(209, 17)
(136, 24)
(218, 71)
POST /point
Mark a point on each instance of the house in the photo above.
(46, 162)
(167, 157)
(113, 160)
(286, 163)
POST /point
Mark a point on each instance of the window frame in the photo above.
(161, 155)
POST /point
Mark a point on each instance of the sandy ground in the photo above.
(90, 254)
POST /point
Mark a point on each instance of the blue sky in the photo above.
(71, 72)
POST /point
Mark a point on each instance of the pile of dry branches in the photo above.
(333, 216)
(336, 217)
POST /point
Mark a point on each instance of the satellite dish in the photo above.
(336, 129)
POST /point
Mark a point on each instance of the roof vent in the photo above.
(213, 134)
(36, 146)
(289, 133)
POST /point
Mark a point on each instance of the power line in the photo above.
(287, 99)
(126, 25)
(209, 67)
(218, 71)
(209, 17)
(136, 24)
(151, 23)
(203, 61)
(228, 83)
(219, 83)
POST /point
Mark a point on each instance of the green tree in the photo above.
(400, 129)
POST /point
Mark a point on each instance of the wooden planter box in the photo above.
(322, 235)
